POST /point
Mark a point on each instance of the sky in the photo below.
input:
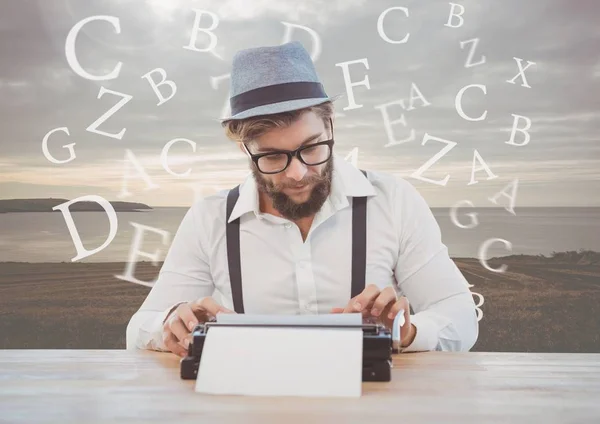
(558, 166)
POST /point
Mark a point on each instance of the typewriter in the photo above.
(376, 356)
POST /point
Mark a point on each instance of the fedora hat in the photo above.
(273, 79)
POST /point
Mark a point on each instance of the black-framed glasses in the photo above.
(278, 161)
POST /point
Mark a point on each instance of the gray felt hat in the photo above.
(273, 79)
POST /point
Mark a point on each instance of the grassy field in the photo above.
(539, 305)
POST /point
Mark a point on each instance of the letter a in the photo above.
(512, 197)
(130, 157)
(414, 89)
(477, 158)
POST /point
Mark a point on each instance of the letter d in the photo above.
(82, 252)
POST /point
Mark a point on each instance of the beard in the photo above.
(285, 205)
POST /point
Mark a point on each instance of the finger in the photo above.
(401, 304)
(386, 298)
(210, 306)
(405, 329)
(361, 301)
(385, 312)
(172, 345)
(337, 310)
(187, 316)
(179, 331)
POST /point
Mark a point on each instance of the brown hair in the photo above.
(245, 130)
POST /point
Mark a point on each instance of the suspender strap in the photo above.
(359, 243)
(233, 252)
(359, 248)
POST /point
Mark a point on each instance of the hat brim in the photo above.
(274, 108)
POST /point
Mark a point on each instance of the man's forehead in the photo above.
(287, 140)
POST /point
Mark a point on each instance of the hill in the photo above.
(46, 205)
(537, 305)
(580, 257)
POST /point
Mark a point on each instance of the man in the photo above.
(306, 232)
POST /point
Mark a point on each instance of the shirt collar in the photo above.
(347, 181)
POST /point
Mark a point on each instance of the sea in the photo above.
(45, 237)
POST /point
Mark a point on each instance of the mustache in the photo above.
(310, 180)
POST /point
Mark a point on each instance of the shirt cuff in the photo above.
(426, 337)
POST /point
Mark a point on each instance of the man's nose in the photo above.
(296, 170)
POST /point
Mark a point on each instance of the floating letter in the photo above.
(214, 82)
(414, 88)
(130, 157)
(473, 215)
(523, 130)
(154, 85)
(82, 252)
(165, 153)
(72, 57)
(475, 41)
(459, 15)
(521, 72)
(135, 252)
(458, 102)
(380, 25)
(512, 197)
(211, 35)
(353, 156)
(483, 249)
(349, 84)
(388, 124)
(478, 303)
(287, 37)
(477, 158)
(430, 162)
(94, 126)
(69, 146)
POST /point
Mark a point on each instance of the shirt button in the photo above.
(288, 225)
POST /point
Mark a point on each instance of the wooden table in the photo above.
(119, 386)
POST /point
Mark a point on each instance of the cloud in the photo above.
(40, 92)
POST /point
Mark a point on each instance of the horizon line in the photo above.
(431, 207)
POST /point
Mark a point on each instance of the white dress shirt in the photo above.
(282, 274)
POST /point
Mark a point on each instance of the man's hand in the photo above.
(383, 306)
(179, 324)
